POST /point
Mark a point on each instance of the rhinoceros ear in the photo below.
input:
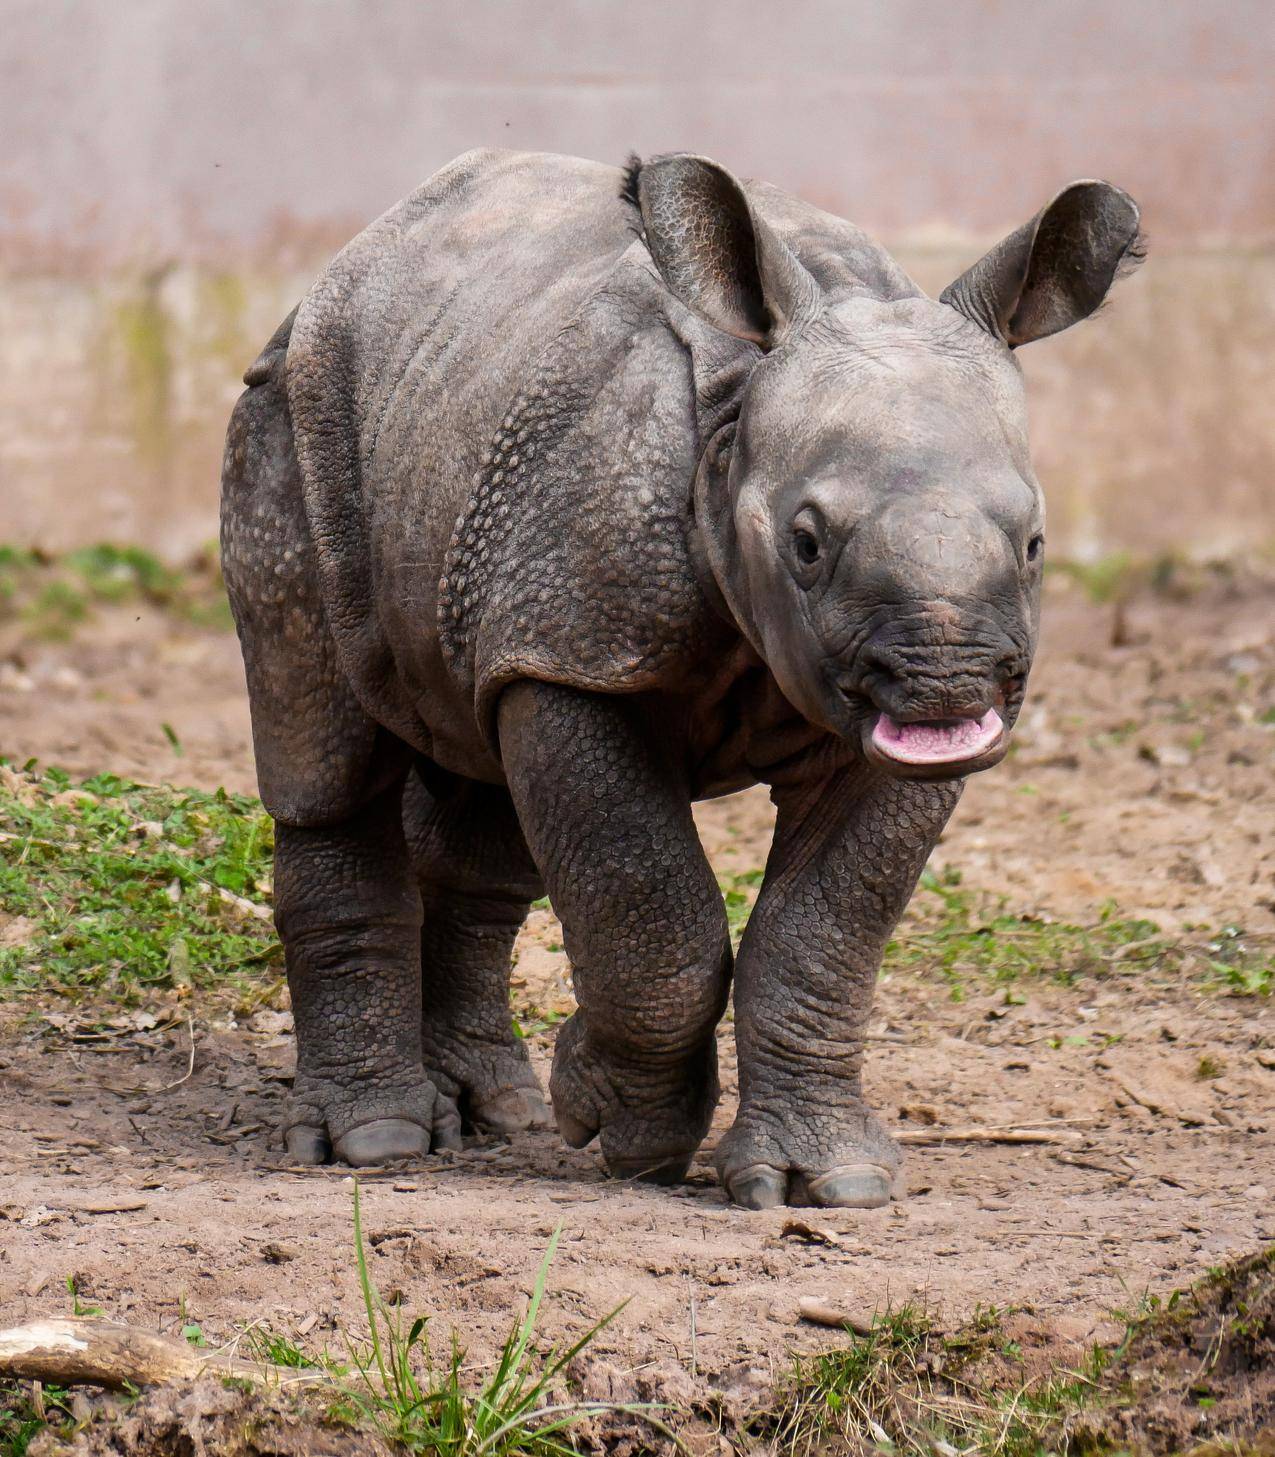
(714, 252)
(1056, 269)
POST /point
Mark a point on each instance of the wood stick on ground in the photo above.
(982, 1135)
(190, 1065)
(240, 903)
(823, 1312)
(104, 1353)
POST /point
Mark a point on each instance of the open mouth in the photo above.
(938, 740)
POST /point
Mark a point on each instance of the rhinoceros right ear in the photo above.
(714, 252)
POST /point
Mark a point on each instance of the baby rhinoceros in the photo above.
(569, 496)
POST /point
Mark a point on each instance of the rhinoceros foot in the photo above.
(330, 1121)
(807, 1157)
(488, 1078)
(649, 1119)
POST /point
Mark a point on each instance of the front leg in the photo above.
(605, 807)
(849, 847)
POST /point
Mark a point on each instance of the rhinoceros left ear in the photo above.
(1055, 270)
(714, 251)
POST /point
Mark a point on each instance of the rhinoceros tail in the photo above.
(261, 369)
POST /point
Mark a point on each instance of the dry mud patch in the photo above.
(174, 1206)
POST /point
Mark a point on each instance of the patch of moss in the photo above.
(143, 332)
(53, 596)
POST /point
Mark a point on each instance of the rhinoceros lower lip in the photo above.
(937, 741)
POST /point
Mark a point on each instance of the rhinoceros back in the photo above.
(498, 409)
(403, 360)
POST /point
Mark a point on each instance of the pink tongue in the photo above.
(937, 743)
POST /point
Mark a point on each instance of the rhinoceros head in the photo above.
(873, 521)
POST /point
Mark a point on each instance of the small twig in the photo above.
(982, 1135)
(1130, 947)
(240, 902)
(1057, 1122)
(1036, 1231)
(820, 1312)
(1078, 1163)
(690, 1295)
(190, 1066)
(113, 1034)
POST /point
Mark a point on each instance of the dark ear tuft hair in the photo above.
(1135, 255)
(629, 186)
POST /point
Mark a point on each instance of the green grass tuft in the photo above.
(739, 892)
(906, 1387)
(52, 596)
(971, 939)
(122, 888)
(27, 1410)
(390, 1383)
(964, 937)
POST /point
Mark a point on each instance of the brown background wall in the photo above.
(175, 170)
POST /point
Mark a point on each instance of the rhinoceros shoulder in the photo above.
(571, 561)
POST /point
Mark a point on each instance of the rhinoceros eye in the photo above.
(1034, 548)
(806, 545)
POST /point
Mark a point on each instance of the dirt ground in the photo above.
(1142, 775)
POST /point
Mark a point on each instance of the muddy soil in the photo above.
(206, 1418)
(1200, 1369)
(1142, 775)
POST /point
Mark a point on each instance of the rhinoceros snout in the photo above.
(935, 711)
(911, 682)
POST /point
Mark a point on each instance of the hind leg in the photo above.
(346, 901)
(476, 881)
(349, 917)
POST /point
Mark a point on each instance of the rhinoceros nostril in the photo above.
(878, 665)
(1012, 684)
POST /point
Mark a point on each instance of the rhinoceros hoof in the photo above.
(854, 1186)
(308, 1145)
(491, 1083)
(381, 1142)
(489, 1079)
(849, 1163)
(330, 1120)
(509, 1110)
(661, 1165)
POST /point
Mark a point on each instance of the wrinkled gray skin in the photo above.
(552, 510)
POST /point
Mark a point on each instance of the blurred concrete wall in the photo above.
(174, 171)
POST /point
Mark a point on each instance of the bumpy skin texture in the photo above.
(849, 847)
(565, 498)
(642, 918)
(350, 918)
(476, 880)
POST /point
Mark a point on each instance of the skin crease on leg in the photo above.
(570, 495)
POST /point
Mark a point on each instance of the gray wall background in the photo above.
(174, 171)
